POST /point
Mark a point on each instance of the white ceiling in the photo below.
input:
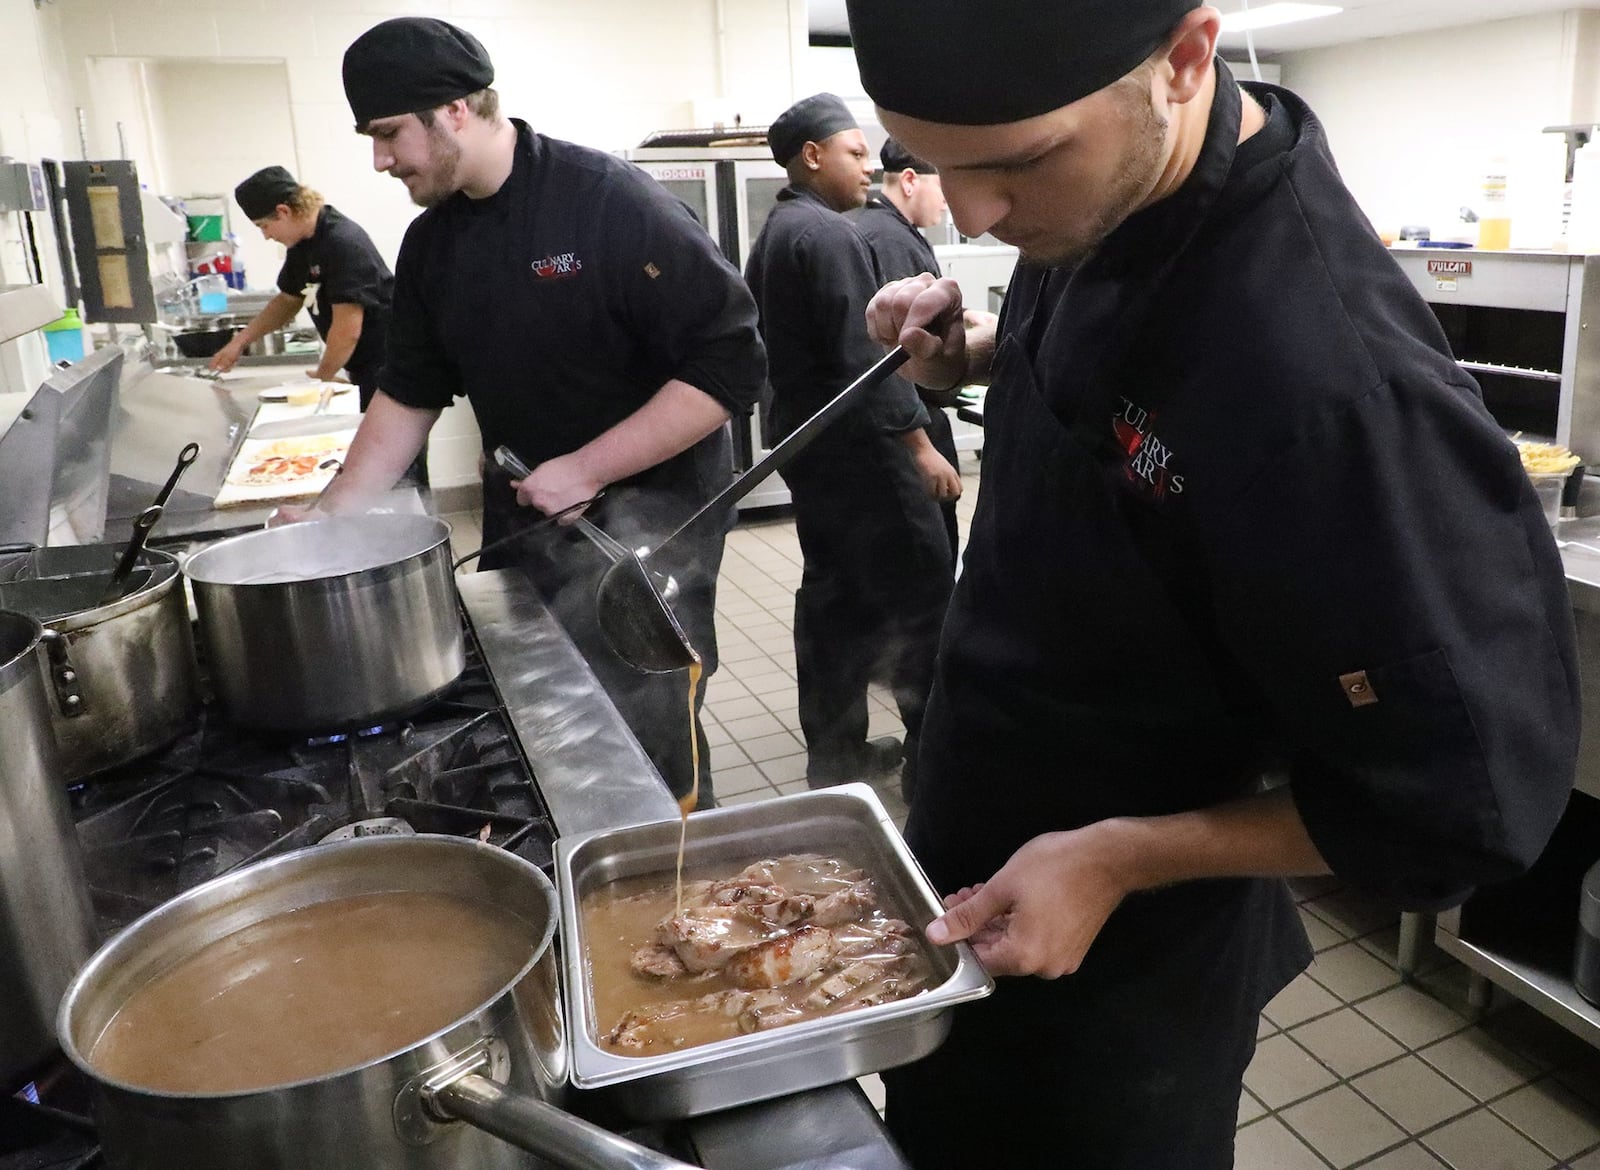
(1360, 20)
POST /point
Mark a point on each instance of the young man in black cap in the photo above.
(332, 252)
(1242, 517)
(877, 568)
(590, 321)
(911, 198)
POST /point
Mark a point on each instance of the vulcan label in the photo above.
(1450, 267)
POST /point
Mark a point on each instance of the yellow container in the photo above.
(1494, 234)
(1494, 222)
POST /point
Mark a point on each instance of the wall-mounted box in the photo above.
(21, 187)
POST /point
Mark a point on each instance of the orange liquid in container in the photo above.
(1494, 234)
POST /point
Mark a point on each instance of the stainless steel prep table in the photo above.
(161, 409)
(594, 775)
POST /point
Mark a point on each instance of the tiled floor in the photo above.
(1354, 1068)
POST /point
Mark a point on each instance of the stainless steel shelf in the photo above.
(1551, 993)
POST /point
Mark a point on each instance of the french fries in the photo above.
(1545, 458)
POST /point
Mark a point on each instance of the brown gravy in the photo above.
(688, 1009)
(312, 992)
(686, 804)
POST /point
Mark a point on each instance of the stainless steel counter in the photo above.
(1579, 541)
(594, 775)
(590, 769)
(161, 410)
(1536, 974)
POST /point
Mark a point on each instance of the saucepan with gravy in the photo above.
(749, 952)
(379, 1003)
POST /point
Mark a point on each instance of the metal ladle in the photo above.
(118, 585)
(610, 547)
(633, 611)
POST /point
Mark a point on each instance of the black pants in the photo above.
(944, 442)
(1134, 1063)
(567, 568)
(876, 579)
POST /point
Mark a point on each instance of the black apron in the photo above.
(1077, 682)
(566, 568)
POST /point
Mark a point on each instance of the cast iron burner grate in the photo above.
(221, 797)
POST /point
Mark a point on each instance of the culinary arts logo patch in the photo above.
(315, 272)
(556, 267)
(1150, 461)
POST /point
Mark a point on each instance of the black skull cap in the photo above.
(259, 195)
(412, 63)
(1015, 59)
(813, 119)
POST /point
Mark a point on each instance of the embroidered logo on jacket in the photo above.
(557, 267)
(315, 272)
(1150, 461)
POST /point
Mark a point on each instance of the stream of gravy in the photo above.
(312, 992)
(686, 804)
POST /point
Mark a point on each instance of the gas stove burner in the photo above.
(222, 796)
(364, 733)
(374, 827)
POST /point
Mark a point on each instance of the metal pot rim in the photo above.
(152, 591)
(131, 937)
(195, 567)
(9, 667)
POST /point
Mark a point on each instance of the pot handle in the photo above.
(541, 1128)
(63, 674)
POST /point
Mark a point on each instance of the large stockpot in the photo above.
(46, 920)
(330, 625)
(499, 1067)
(122, 676)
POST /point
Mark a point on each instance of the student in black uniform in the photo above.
(877, 569)
(911, 197)
(330, 252)
(591, 322)
(1242, 516)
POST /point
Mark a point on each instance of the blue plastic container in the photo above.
(64, 338)
(213, 290)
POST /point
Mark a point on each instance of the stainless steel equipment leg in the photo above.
(1480, 992)
(1416, 932)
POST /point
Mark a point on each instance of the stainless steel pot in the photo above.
(332, 625)
(46, 921)
(500, 1066)
(267, 345)
(122, 676)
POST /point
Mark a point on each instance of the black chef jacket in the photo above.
(340, 259)
(902, 251)
(812, 274)
(1240, 509)
(559, 306)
